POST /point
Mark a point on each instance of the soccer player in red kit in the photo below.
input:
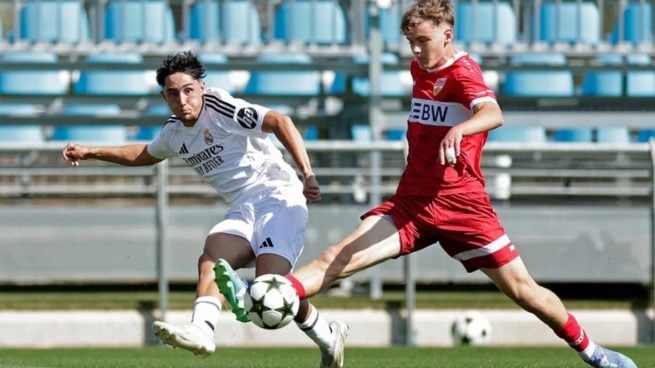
(441, 196)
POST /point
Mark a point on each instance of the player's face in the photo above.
(183, 94)
(431, 44)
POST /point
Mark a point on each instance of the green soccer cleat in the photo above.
(232, 287)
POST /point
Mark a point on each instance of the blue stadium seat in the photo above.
(216, 78)
(139, 21)
(33, 82)
(310, 132)
(105, 133)
(539, 83)
(113, 82)
(149, 132)
(612, 135)
(392, 83)
(569, 22)
(637, 23)
(574, 135)
(604, 82)
(486, 22)
(645, 135)
(310, 22)
(640, 83)
(284, 82)
(20, 133)
(361, 133)
(395, 134)
(524, 134)
(226, 21)
(53, 21)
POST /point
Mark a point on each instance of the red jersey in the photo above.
(441, 99)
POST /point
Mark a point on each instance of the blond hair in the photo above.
(436, 11)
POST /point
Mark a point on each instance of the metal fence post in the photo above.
(651, 148)
(161, 223)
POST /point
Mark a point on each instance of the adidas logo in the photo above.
(266, 244)
(183, 149)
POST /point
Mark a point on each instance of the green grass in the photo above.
(395, 357)
(69, 300)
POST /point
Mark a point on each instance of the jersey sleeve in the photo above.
(247, 118)
(472, 86)
(159, 146)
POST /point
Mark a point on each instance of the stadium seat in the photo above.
(310, 22)
(137, 21)
(487, 22)
(114, 82)
(570, 22)
(539, 83)
(284, 82)
(524, 134)
(573, 135)
(217, 78)
(53, 21)
(640, 83)
(310, 132)
(104, 133)
(393, 83)
(395, 134)
(226, 21)
(612, 135)
(361, 133)
(20, 133)
(645, 135)
(33, 82)
(637, 24)
(604, 82)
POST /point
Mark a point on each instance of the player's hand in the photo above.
(73, 153)
(311, 189)
(450, 147)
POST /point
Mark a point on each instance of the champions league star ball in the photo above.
(271, 301)
(471, 328)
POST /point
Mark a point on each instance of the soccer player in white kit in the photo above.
(225, 140)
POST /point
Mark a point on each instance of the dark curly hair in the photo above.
(436, 11)
(182, 62)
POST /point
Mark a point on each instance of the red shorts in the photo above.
(465, 225)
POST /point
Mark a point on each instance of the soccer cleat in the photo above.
(333, 356)
(232, 287)
(605, 358)
(188, 337)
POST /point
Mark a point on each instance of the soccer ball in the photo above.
(471, 328)
(271, 301)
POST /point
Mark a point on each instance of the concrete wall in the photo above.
(117, 244)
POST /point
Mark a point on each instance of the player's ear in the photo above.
(448, 35)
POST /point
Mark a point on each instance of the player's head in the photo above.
(428, 26)
(180, 76)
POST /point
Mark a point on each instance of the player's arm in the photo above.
(487, 115)
(127, 155)
(285, 130)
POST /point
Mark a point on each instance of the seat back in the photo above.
(112, 133)
(139, 21)
(524, 134)
(33, 82)
(604, 82)
(640, 83)
(637, 24)
(284, 82)
(20, 133)
(535, 83)
(310, 22)
(487, 22)
(53, 21)
(573, 135)
(612, 135)
(569, 22)
(226, 21)
(114, 82)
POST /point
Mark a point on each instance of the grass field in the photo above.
(396, 357)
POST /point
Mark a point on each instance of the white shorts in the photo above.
(272, 223)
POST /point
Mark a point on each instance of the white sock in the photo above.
(588, 351)
(206, 310)
(317, 329)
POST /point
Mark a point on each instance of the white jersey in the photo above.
(228, 148)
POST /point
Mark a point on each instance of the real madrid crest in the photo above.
(438, 85)
(209, 139)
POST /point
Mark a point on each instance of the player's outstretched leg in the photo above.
(333, 356)
(605, 358)
(188, 337)
(232, 287)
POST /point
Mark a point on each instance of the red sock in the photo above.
(573, 334)
(300, 290)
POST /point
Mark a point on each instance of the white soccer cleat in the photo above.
(333, 356)
(188, 337)
(606, 358)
